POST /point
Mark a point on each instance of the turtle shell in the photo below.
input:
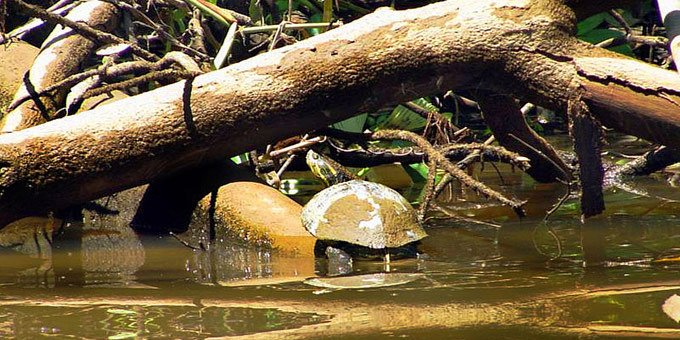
(363, 213)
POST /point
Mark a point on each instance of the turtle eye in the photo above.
(315, 156)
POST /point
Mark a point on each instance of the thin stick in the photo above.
(438, 157)
(300, 145)
(269, 28)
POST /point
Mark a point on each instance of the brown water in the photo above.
(528, 279)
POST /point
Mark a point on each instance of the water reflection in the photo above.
(125, 322)
(529, 278)
(229, 263)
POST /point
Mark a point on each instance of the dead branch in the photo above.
(439, 159)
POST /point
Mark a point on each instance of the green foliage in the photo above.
(598, 35)
(179, 17)
(255, 12)
(354, 124)
(588, 24)
(417, 171)
(242, 158)
(404, 119)
(601, 27)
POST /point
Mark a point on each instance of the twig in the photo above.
(621, 21)
(277, 34)
(564, 198)
(302, 144)
(462, 165)
(108, 72)
(429, 188)
(185, 243)
(564, 173)
(222, 56)
(285, 165)
(289, 26)
(164, 75)
(60, 8)
(450, 214)
(439, 158)
(552, 233)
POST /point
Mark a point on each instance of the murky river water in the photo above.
(607, 278)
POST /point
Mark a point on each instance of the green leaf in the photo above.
(242, 158)
(420, 169)
(255, 13)
(282, 5)
(404, 119)
(353, 124)
(590, 23)
(178, 17)
(599, 35)
(315, 18)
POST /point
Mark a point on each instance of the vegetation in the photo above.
(142, 46)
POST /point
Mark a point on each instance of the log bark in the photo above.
(523, 48)
(62, 54)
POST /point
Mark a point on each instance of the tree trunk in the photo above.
(522, 48)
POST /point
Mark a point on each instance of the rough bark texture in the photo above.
(650, 162)
(523, 48)
(62, 55)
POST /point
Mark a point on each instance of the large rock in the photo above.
(259, 214)
(16, 58)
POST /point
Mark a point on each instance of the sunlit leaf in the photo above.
(672, 307)
(353, 124)
(242, 158)
(420, 168)
(404, 119)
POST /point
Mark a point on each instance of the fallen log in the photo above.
(62, 54)
(522, 48)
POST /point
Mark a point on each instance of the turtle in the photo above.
(358, 212)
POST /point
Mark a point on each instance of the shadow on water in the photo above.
(606, 278)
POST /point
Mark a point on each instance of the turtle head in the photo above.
(321, 167)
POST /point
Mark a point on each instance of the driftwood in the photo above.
(61, 55)
(525, 49)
